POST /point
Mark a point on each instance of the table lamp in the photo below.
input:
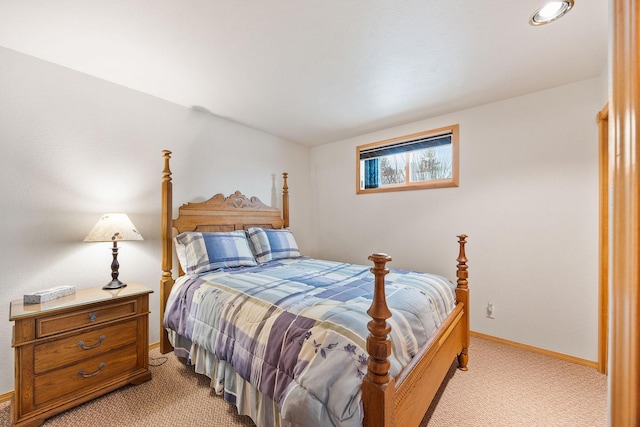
(113, 227)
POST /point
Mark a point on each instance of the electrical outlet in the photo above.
(490, 310)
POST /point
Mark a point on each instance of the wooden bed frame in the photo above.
(400, 401)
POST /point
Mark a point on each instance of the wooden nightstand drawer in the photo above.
(54, 354)
(81, 376)
(56, 324)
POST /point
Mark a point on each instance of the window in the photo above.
(411, 162)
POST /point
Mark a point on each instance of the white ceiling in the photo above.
(315, 71)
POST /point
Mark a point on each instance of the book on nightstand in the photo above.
(49, 294)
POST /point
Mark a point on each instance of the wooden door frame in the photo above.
(624, 303)
(603, 253)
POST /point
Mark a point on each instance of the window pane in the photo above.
(431, 163)
(392, 169)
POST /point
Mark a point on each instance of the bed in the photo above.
(394, 388)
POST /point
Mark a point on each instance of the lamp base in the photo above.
(114, 284)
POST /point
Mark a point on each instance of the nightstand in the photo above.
(73, 349)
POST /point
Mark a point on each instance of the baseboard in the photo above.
(6, 396)
(555, 355)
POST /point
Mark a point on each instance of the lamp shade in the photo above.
(113, 227)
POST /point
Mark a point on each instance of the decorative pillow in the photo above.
(259, 244)
(270, 244)
(202, 252)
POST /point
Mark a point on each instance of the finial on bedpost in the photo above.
(462, 296)
(378, 342)
(462, 273)
(166, 173)
(285, 200)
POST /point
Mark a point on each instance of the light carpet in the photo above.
(504, 386)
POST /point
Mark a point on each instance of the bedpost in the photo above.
(285, 200)
(167, 264)
(462, 296)
(378, 388)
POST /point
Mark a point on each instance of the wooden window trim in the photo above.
(422, 185)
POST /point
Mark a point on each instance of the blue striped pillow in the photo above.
(202, 252)
(270, 244)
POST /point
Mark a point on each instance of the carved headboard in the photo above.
(235, 212)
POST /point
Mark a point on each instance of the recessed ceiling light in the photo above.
(550, 12)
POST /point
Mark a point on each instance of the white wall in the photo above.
(74, 147)
(528, 199)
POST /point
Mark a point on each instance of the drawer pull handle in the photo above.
(85, 347)
(83, 375)
(93, 316)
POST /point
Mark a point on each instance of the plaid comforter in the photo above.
(296, 329)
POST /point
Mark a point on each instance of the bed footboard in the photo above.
(403, 401)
